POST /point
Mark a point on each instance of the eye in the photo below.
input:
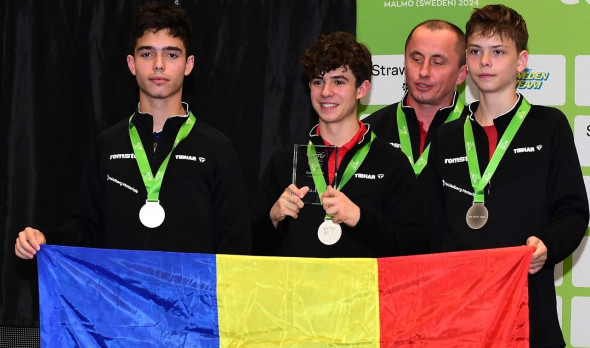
(438, 61)
(145, 54)
(339, 82)
(473, 51)
(498, 52)
(317, 82)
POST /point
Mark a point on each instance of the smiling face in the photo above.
(334, 95)
(494, 63)
(432, 67)
(160, 64)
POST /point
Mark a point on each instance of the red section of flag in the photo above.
(460, 299)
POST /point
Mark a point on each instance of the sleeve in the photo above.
(567, 195)
(400, 229)
(86, 226)
(231, 219)
(265, 235)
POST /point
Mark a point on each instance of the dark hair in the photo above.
(155, 16)
(498, 20)
(335, 50)
(437, 24)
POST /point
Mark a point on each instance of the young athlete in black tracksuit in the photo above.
(378, 211)
(201, 193)
(536, 195)
(199, 206)
(537, 190)
(391, 217)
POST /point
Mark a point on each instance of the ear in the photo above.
(462, 74)
(363, 89)
(190, 63)
(523, 59)
(131, 64)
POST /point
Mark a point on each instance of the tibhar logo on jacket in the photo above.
(368, 176)
(528, 149)
(396, 145)
(189, 158)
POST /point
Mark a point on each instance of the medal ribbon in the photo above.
(480, 182)
(351, 168)
(154, 183)
(404, 136)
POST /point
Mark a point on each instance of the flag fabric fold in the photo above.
(121, 298)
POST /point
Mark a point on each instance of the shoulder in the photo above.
(381, 115)
(386, 150)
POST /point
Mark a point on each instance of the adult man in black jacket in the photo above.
(435, 65)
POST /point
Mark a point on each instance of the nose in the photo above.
(485, 59)
(327, 89)
(425, 69)
(159, 61)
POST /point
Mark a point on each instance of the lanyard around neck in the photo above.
(404, 136)
(154, 183)
(478, 181)
(351, 168)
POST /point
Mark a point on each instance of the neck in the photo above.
(161, 110)
(494, 105)
(340, 133)
(425, 112)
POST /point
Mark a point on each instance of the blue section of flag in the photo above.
(122, 298)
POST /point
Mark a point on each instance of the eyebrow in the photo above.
(438, 55)
(167, 48)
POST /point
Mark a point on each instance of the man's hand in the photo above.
(340, 207)
(539, 256)
(28, 243)
(288, 204)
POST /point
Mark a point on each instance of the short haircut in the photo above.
(437, 24)
(498, 20)
(155, 16)
(335, 50)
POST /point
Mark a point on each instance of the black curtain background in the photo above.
(64, 78)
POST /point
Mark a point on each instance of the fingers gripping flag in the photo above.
(120, 298)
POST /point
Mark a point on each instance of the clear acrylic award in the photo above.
(310, 168)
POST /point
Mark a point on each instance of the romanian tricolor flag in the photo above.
(122, 298)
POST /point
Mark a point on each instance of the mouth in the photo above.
(328, 105)
(422, 86)
(158, 80)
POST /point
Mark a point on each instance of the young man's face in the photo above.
(494, 62)
(160, 65)
(432, 67)
(334, 96)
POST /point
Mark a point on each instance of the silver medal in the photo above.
(329, 232)
(477, 216)
(152, 214)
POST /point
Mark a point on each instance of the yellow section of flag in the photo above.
(293, 302)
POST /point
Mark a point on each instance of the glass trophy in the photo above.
(310, 168)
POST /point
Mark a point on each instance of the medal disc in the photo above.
(329, 232)
(477, 216)
(152, 214)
